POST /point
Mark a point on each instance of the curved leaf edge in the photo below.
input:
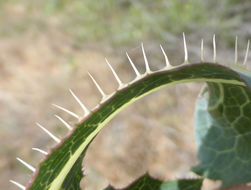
(144, 76)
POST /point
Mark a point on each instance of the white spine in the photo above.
(115, 74)
(236, 51)
(26, 165)
(148, 70)
(41, 151)
(168, 65)
(202, 50)
(17, 184)
(246, 55)
(86, 111)
(64, 122)
(133, 66)
(214, 47)
(98, 87)
(185, 48)
(66, 110)
(49, 133)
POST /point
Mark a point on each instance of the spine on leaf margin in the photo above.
(61, 168)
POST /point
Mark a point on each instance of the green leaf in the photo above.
(184, 184)
(223, 133)
(244, 74)
(146, 182)
(57, 170)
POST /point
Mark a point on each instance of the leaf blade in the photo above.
(146, 182)
(224, 134)
(72, 148)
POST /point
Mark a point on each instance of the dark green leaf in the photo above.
(146, 182)
(229, 134)
(223, 132)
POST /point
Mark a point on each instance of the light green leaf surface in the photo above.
(62, 168)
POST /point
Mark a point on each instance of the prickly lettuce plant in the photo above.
(222, 126)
